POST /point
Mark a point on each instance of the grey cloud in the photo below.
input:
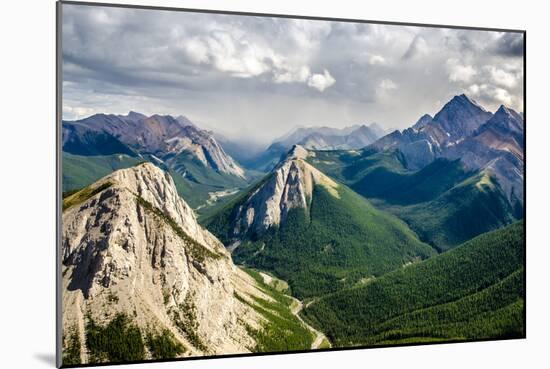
(417, 47)
(116, 60)
(510, 44)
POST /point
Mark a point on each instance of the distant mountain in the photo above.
(81, 140)
(464, 130)
(378, 131)
(318, 138)
(475, 291)
(142, 279)
(506, 122)
(243, 149)
(105, 142)
(312, 231)
(159, 135)
(327, 138)
(428, 138)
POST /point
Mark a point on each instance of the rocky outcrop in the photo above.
(131, 245)
(289, 186)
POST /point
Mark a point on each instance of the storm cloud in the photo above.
(255, 78)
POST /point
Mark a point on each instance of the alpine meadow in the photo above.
(243, 184)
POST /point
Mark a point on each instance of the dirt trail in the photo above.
(319, 336)
(295, 309)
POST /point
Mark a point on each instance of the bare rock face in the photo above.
(207, 149)
(289, 186)
(496, 146)
(132, 245)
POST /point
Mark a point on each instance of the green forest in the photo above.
(474, 291)
(333, 244)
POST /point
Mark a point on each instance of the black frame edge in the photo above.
(58, 179)
(293, 16)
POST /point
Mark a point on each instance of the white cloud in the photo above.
(197, 51)
(387, 84)
(503, 96)
(490, 93)
(376, 60)
(459, 72)
(183, 62)
(502, 78)
(76, 112)
(308, 34)
(289, 76)
(321, 81)
(238, 57)
(244, 59)
(474, 89)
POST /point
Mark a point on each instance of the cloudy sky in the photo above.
(256, 78)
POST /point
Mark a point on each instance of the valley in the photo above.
(329, 238)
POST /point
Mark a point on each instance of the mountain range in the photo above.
(162, 136)
(317, 138)
(171, 248)
(464, 130)
(106, 142)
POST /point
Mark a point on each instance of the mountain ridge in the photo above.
(136, 265)
(464, 130)
(160, 135)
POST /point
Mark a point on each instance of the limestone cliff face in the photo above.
(289, 186)
(132, 245)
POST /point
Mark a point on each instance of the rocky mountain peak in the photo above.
(289, 186)
(460, 117)
(297, 152)
(135, 115)
(131, 245)
(509, 115)
(422, 121)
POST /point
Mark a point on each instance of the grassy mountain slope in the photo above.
(443, 203)
(195, 186)
(466, 210)
(350, 166)
(88, 142)
(474, 291)
(334, 243)
(80, 171)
